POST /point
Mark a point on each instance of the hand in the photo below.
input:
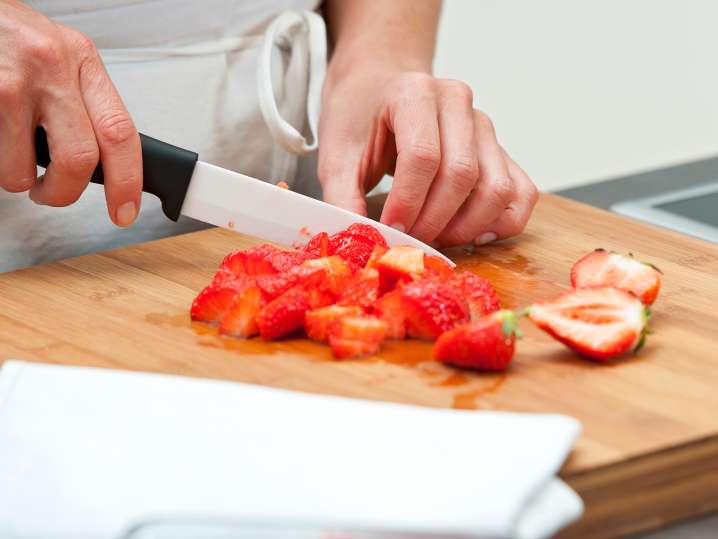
(453, 182)
(52, 76)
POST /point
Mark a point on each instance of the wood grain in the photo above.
(649, 449)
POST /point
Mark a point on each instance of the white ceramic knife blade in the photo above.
(232, 200)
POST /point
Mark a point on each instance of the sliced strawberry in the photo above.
(354, 336)
(284, 314)
(432, 307)
(320, 297)
(214, 301)
(484, 344)
(601, 268)
(599, 323)
(354, 250)
(478, 292)
(262, 259)
(318, 245)
(337, 272)
(276, 284)
(402, 261)
(240, 319)
(362, 290)
(318, 322)
(435, 266)
(376, 254)
(390, 309)
(368, 233)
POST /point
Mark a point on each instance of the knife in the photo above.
(221, 197)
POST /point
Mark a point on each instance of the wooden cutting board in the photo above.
(649, 449)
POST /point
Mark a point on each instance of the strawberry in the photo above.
(262, 259)
(376, 254)
(283, 315)
(435, 266)
(390, 309)
(276, 284)
(484, 344)
(356, 243)
(478, 292)
(354, 336)
(336, 270)
(402, 261)
(362, 290)
(432, 307)
(240, 319)
(214, 301)
(598, 323)
(318, 322)
(601, 268)
(318, 245)
(367, 233)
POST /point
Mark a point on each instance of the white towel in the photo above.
(92, 453)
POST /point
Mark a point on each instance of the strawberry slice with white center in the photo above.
(601, 268)
(599, 323)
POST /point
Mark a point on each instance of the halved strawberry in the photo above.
(337, 272)
(366, 232)
(240, 319)
(276, 284)
(390, 309)
(599, 323)
(214, 301)
(318, 322)
(485, 344)
(284, 314)
(601, 268)
(435, 266)
(354, 336)
(318, 245)
(402, 261)
(262, 259)
(478, 292)
(432, 307)
(362, 290)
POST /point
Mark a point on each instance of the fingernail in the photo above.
(399, 227)
(486, 237)
(126, 214)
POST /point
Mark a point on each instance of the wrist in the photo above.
(344, 63)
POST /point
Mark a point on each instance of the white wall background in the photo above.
(584, 90)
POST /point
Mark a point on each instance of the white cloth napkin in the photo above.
(91, 453)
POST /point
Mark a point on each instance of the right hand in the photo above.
(52, 76)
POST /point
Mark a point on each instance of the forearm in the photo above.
(400, 32)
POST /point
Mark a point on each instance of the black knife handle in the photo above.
(167, 170)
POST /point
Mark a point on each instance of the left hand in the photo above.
(453, 183)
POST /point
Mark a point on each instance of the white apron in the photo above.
(226, 78)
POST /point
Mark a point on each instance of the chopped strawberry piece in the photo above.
(240, 319)
(337, 273)
(599, 323)
(390, 309)
(318, 245)
(432, 307)
(368, 233)
(320, 297)
(376, 254)
(601, 268)
(402, 261)
(478, 292)
(356, 243)
(262, 259)
(435, 266)
(362, 290)
(276, 284)
(318, 322)
(283, 185)
(284, 314)
(354, 336)
(484, 344)
(214, 301)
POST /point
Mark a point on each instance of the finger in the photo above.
(73, 150)
(18, 171)
(414, 122)
(459, 170)
(492, 194)
(118, 140)
(513, 219)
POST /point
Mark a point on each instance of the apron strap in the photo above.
(304, 34)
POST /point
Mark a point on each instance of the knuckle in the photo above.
(116, 128)
(459, 89)
(417, 79)
(43, 48)
(502, 189)
(484, 123)
(81, 43)
(11, 90)
(463, 173)
(425, 157)
(79, 159)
